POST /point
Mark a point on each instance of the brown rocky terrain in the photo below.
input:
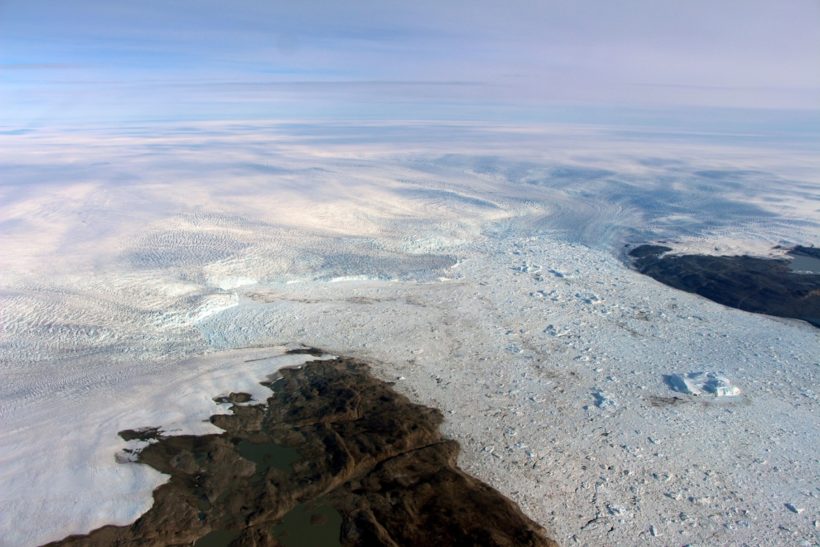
(758, 285)
(335, 457)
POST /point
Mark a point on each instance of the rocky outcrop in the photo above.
(335, 457)
(760, 285)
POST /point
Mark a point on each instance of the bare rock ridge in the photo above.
(759, 285)
(335, 457)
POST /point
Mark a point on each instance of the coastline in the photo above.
(334, 455)
(771, 286)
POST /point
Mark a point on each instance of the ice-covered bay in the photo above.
(480, 271)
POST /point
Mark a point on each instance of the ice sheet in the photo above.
(479, 269)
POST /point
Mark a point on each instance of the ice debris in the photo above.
(794, 509)
(601, 400)
(698, 383)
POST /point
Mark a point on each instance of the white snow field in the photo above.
(146, 270)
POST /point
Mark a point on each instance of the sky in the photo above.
(100, 60)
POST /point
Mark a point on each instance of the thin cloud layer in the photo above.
(154, 60)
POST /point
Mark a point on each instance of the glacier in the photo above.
(478, 266)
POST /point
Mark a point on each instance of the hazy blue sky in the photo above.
(203, 59)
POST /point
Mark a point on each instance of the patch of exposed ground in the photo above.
(759, 285)
(335, 456)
